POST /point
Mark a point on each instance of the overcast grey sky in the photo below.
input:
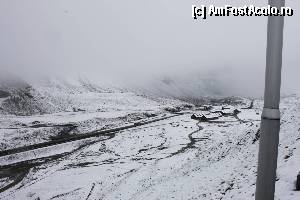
(140, 38)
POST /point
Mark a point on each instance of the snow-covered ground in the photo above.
(173, 158)
(59, 108)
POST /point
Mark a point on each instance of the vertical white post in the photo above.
(270, 124)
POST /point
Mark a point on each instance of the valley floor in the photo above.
(173, 157)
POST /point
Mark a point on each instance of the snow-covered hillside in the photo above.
(183, 86)
(138, 147)
(69, 95)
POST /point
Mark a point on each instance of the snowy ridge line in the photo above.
(81, 136)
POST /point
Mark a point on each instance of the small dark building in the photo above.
(206, 117)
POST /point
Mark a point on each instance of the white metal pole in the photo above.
(270, 123)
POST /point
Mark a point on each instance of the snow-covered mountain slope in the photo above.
(42, 111)
(69, 95)
(183, 86)
(175, 158)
